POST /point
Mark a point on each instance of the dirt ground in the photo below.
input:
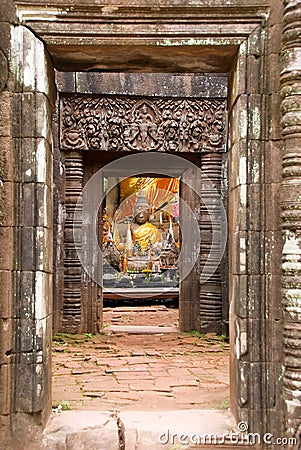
(121, 371)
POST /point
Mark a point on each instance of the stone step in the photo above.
(141, 430)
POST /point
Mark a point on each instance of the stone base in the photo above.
(133, 430)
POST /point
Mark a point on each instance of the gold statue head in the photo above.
(141, 209)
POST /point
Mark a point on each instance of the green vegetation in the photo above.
(65, 338)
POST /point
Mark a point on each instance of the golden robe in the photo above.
(145, 234)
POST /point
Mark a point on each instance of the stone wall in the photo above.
(26, 96)
(26, 102)
(254, 229)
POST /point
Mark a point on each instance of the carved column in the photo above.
(291, 213)
(210, 291)
(72, 266)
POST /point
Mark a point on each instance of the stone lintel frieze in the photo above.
(142, 124)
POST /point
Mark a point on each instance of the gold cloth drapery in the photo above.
(157, 191)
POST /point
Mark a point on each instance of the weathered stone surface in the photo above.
(142, 124)
(6, 290)
(30, 55)
(6, 341)
(255, 117)
(150, 84)
(6, 114)
(25, 280)
(140, 43)
(6, 158)
(156, 430)
(254, 217)
(5, 376)
(6, 204)
(237, 209)
(3, 70)
(237, 75)
(28, 262)
(273, 160)
(254, 256)
(238, 120)
(274, 116)
(81, 430)
(243, 391)
(44, 250)
(43, 214)
(8, 11)
(291, 223)
(6, 249)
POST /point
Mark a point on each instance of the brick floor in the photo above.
(120, 372)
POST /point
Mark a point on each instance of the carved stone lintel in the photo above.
(143, 124)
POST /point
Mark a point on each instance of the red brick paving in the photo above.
(121, 372)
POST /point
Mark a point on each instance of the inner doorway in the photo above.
(95, 130)
(141, 244)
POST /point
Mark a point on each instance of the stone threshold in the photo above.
(139, 430)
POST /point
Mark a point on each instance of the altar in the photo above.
(141, 237)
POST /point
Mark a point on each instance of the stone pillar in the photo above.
(291, 214)
(72, 305)
(189, 304)
(6, 235)
(29, 234)
(211, 290)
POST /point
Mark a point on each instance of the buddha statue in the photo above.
(144, 232)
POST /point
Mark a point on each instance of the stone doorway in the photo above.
(242, 52)
(96, 130)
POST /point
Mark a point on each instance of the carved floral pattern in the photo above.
(148, 124)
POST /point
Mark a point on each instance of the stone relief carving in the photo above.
(148, 124)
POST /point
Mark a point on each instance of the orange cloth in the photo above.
(156, 190)
(145, 234)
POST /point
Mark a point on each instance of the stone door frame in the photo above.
(79, 307)
(245, 29)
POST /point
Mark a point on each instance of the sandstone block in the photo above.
(28, 208)
(239, 295)
(255, 107)
(254, 214)
(27, 299)
(7, 204)
(5, 382)
(6, 340)
(6, 158)
(44, 249)
(5, 114)
(273, 161)
(44, 206)
(85, 430)
(6, 294)
(254, 78)
(43, 117)
(6, 248)
(28, 262)
(255, 264)
(243, 393)
(24, 375)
